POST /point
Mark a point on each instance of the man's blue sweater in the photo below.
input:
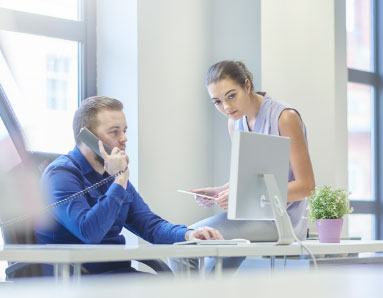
(99, 216)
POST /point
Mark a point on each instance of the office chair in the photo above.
(23, 233)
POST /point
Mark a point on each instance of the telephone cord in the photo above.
(62, 202)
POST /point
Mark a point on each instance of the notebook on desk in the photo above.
(214, 242)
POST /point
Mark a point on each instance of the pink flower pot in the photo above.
(329, 230)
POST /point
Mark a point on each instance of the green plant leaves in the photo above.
(329, 203)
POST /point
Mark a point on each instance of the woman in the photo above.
(231, 89)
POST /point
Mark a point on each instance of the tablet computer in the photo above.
(196, 194)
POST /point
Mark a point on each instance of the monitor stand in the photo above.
(282, 219)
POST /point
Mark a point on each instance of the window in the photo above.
(66, 9)
(47, 66)
(44, 48)
(364, 110)
(47, 80)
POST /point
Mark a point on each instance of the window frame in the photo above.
(82, 31)
(374, 79)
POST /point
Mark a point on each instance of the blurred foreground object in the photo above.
(20, 192)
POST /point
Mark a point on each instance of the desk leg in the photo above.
(272, 263)
(65, 272)
(202, 269)
(61, 272)
(57, 270)
(218, 267)
(76, 272)
(188, 271)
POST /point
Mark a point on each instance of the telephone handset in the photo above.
(91, 141)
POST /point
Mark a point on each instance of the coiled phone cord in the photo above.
(62, 202)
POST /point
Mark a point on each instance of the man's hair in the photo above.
(86, 114)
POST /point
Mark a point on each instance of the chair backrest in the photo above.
(23, 232)
(12, 235)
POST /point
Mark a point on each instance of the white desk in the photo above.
(62, 256)
(295, 249)
(265, 249)
(65, 255)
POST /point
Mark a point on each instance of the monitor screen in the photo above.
(252, 156)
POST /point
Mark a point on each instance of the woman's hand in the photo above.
(223, 199)
(201, 200)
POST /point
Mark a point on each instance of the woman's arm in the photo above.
(290, 125)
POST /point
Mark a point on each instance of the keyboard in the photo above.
(214, 242)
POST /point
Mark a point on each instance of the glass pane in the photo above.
(361, 225)
(360, 163)
(9, 157)
(42, 85)
(65, 9)
(359, 34)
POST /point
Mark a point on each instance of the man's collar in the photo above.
(86, 168)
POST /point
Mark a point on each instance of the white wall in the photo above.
(304, 63)
(235, 34)
(117, 64)
(174, 117)
(181, 137)
(117, 68)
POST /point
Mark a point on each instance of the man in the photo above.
(99, 216)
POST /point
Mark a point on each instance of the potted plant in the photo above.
(327, 206)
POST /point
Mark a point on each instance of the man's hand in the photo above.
(114, 162)
(203, 233)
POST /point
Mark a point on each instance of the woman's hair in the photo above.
(234, 70)
(86, 114)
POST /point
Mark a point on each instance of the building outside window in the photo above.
(364, 96)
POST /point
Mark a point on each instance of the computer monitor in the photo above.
(258, 180)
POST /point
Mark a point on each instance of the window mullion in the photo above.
(378, 48)
(18, 21)
(363, 77)
(364, 207)
(89, 50)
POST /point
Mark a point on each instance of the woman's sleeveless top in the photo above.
(267, 123)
